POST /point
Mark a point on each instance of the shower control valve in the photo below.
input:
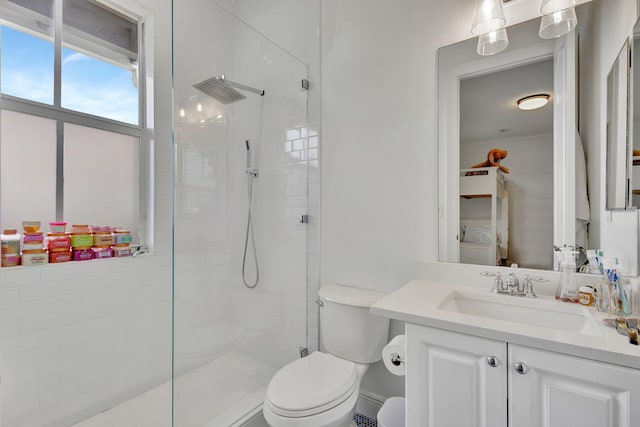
(253, 172)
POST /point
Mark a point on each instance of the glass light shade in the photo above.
(558, 23)
(493, 42)
(533, 102)
(489, 16)
(550, 6)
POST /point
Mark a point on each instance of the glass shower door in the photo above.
(240, 191)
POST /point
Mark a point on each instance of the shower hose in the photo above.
(251, 177)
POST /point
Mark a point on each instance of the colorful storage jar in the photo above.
(121, 251)
(59, 255)
(31, 246)
(58, 227)
(35, 257)
(31, 226)
(81, 241)
(80, 229)
(122, 237)
(102, 237)
(10, 260)
(58, 241)
(99, 253)
(82, 254)
(10, 242)
(36, 237)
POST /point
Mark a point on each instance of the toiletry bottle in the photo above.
(568, 286)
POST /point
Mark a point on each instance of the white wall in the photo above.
(379, 140)
(78, 338)
(608, 26)
(530, 187)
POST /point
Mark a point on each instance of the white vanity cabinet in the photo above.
(451, 380)
(461, 380)
(551, 389)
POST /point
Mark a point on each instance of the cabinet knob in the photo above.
(493, 361)
(521, 368)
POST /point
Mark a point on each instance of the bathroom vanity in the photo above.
(480, 359)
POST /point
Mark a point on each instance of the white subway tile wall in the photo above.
(79, 338)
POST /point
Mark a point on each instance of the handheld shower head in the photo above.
(248, 154)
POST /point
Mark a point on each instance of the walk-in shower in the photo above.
(230, 340)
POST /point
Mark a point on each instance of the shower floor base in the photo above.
(216, 394)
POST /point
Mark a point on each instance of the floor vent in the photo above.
(364, 421)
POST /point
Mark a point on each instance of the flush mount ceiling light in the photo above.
(558, 19)
(533, 102)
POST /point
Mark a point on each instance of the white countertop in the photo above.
(418, 302)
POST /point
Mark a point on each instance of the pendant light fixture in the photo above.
(492, 42)
(558, 19)
(488, 16)
(489, 24)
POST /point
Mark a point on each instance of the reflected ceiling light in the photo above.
(493, 42)
(558, 23)
(488, 17)
(533, 102)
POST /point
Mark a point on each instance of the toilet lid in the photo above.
(312, 382)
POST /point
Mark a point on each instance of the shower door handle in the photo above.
(304, 219)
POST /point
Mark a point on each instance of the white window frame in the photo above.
(144, 131)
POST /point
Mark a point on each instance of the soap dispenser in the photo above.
(567, 290)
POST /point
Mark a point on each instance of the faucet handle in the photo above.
(498, 284)
(528, 285)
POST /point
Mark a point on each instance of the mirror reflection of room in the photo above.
(506, 216)
(635, 102)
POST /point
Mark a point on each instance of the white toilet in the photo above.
(321, 389)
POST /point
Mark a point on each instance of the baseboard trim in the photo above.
(369, 404)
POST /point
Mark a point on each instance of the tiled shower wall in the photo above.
(268, 322)
(294, 25)
(77, 338)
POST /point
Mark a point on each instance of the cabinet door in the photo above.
(554, 390)
(450, 381)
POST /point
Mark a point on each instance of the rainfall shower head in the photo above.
(223, 90)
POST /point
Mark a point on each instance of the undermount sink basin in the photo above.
(529, 311)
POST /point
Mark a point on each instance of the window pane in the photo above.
(27, 66)
(96, 87)
(101, 177)
(99, 61)
(28, 169)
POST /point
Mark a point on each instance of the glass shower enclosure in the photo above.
(240, 196)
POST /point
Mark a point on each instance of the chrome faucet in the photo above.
(499, 286)
(512, 286)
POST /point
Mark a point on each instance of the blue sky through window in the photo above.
(89, 85)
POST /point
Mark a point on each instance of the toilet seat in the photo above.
(311, 385)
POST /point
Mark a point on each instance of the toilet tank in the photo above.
(347, 327)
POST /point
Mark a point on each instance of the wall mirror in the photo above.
(635, 116)
(497, 218)
(618, 182)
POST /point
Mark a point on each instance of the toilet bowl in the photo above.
(321, 390)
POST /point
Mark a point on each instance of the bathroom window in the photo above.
(74, 141)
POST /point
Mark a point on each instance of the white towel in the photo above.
(583, 211)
